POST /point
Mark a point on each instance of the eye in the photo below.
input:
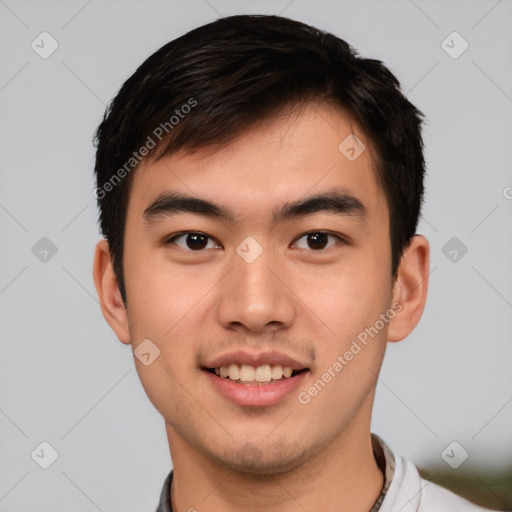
(317, 240)
(193, 240)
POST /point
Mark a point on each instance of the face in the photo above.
(284, 268)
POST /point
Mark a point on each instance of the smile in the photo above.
(255, 375)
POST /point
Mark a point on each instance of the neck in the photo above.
(343, 475)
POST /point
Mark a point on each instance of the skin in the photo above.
(308, 303)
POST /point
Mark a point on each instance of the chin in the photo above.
(251, 459)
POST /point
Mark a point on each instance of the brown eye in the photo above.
(317, 240)
(193, 241)
(196, 241)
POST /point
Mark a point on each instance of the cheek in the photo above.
(346, 298)
(350, 350)
(164, 306)
(160, 295)
(166, 389)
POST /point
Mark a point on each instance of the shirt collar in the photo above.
(386, 462)
(381, 451)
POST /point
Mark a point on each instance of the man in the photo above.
(259, 187)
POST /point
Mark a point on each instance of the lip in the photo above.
(253, 359)
(255, 395)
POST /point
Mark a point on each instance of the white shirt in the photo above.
(409, 492)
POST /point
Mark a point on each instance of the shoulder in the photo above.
(408, 492)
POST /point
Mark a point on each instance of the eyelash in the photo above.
(185, 233)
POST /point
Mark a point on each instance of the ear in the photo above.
(111, 303)
(410, 288)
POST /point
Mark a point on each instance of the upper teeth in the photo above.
(247, 373)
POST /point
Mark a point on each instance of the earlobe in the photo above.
(109, 296)
(410, 288)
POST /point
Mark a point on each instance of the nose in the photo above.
(256, 296)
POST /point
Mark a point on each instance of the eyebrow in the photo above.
(338, 201)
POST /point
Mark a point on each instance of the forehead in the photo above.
(297, 153)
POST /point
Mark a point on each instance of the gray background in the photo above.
(64, 377)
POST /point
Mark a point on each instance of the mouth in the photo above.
(249, 375)
(255, 382)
